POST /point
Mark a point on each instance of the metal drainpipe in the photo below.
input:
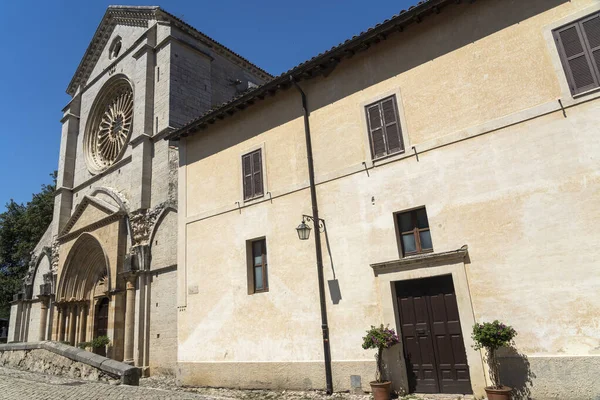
(315, 212)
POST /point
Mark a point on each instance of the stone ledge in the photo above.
(421, 260)
(129, 375)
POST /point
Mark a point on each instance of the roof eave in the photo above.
(320, 65)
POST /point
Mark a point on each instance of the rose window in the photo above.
(109, 128)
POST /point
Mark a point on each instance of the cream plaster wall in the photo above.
(501, 170)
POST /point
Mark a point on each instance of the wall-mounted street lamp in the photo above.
(304, 230)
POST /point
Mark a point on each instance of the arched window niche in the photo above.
(115, 48)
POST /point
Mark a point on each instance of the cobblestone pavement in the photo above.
(22, 385)
(164, 382)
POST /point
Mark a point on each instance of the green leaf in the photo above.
(21, 227)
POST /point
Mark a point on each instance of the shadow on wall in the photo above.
(515, 372)
(334, 285)
(394, 369)
(456, 26)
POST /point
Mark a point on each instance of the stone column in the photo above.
(76, 330)
(129, 319)
(61, 322)
(63, 198)
(14, 329)
(72, 318)
(50, 327)
(43, 317)
(82, 322)
(24, 321)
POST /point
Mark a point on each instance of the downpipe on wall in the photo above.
(319, 254)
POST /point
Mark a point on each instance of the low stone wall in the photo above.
(44, 361)
(60, 359)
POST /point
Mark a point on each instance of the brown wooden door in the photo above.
(433, 343)
(101, 322)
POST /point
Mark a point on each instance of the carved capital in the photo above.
(130, 281)
(141, 226)
(54, 256)
(143, 221)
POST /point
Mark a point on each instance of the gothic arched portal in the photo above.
(86, 266)
(84, 282)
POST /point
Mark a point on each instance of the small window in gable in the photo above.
(252, 174)
(579, 49)
(115, 48)
(385, 133)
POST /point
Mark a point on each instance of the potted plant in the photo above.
(491, 336)
(380, 338)
(100, 344)
(84, 345)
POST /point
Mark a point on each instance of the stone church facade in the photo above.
(107, 264)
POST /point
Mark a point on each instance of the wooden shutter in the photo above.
(385, 132)
(252, 174)
(393, 134)
(576, 56)
(247, 175)
(376, 131)
(591, 30)
(257, 173)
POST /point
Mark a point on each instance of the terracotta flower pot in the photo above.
(503, 393)
(381, 390)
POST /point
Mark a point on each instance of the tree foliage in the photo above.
(21, 227)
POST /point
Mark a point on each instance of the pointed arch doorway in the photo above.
(84, 294)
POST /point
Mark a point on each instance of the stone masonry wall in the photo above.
(44, 361)
(33, 324)
(223, 75)
(189, 85)
(163, 323)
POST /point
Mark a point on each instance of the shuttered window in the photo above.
(252, 174)
(385, 133)
(579, 48)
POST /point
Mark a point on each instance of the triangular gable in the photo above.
(142, 16)
(136, 16)
(87, 212)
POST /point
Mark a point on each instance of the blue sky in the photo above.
(43, 42)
